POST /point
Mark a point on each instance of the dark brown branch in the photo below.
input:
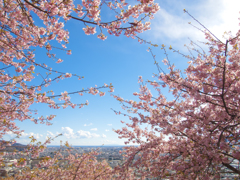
(231, 168)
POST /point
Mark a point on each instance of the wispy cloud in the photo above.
(104, 136)
(108, 141)
(25, 135)
(88, 124)
(10, 134)
(107, 130)
(68, 133)
(50, 133)
(109, 124)
(93, 129)
(171, 27)
(86, 134)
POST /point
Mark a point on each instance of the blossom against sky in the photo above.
(120, 60)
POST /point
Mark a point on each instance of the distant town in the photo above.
(108, 153)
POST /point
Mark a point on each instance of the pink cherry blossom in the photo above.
(89, 30)
(59, 61)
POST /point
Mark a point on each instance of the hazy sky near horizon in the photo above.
(120, 60)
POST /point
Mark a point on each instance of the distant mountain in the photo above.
(15, 144)
(13, 147)
(18, 144)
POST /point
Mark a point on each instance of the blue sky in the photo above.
(120, 60)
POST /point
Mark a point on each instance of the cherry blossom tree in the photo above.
(194, 135)
(28, 24)
(20, 35)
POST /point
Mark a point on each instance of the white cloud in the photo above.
(104, 136)
(68, 132)
(109, 141)
(24, 137)
(86, 134)
(23, 141)
(58, 133)
(27, 135)
(170, 25)
(107, 130)
(93, 129)
(88, 124)
(109, 124)
(50, 133)
(11, 134)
